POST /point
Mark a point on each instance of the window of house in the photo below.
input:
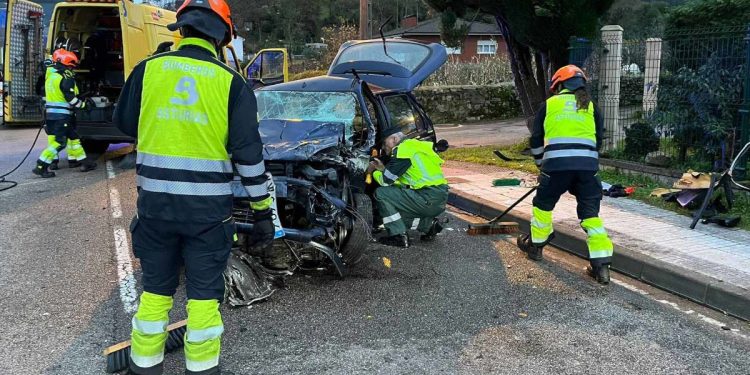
(486, 47)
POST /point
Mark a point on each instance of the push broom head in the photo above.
(503, 227)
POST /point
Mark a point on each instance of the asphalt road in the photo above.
(463, 305)
(504, 133)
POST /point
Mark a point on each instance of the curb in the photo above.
(726, 298)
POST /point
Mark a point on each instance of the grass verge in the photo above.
(483, 155)
(644, 185)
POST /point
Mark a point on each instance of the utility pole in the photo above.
(365, 28)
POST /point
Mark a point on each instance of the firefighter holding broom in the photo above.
(565, 140)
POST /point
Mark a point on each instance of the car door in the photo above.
(403, 111)
(268, 67)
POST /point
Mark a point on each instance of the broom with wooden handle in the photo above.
(495, 226)
(118, 355)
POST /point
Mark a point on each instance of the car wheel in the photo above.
(354, 248)
(94, 147)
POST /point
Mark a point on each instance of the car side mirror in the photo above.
(441, 146)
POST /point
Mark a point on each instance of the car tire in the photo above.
(354, 249)
(94, 147)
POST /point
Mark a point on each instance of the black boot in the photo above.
(88, 165)
(435, 228)
(533, 252)
(398, 240)
(73, 164)
(599, 273)
(55, 165)
(41, 170)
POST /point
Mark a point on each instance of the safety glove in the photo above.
(263, 229)
(89, 104)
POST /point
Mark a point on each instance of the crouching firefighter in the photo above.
(413, 191)
(565, 140)
(62, 100)
(189, 113)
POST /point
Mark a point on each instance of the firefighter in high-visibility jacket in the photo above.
(192, 116)
(565, 140)
(62, 99)
(413, 190)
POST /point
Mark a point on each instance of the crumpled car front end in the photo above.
(326, 218)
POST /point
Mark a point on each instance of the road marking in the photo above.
(125, 278)
(114, 200)
(674, 305)
(128, 293)
(110, 170)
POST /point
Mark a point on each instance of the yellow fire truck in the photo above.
(114, 36)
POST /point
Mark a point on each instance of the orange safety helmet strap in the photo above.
(565, 73)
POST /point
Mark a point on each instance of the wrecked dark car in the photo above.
(319, 135)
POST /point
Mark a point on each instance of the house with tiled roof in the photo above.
(483, 39)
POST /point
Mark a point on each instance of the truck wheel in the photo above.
(94, 147)
(354, 249)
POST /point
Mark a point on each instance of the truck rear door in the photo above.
(22, 65)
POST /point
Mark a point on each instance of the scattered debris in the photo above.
(523, 315)
(386, 262)
(693, 180)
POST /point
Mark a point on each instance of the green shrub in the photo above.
(479, 72)
(640, 139)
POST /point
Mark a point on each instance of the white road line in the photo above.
(114, 201)
(125, 278)
(110, 170)
(128, 293)
(677, 307)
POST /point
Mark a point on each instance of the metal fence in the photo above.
(675, 101)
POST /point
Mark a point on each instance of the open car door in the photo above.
(395, 64)
(268, 67)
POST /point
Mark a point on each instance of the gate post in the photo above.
(651, 75)
(741, 172)
(609, 83)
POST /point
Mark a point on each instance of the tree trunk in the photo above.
(531, 91)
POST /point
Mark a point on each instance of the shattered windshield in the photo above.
(297, 106)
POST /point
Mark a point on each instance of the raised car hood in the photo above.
(292, 140)
(402, 65)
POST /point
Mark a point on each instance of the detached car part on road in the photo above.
(319, 135)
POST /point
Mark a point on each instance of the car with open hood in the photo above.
(319, 135)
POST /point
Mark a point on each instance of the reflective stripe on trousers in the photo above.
(598, 242)
(149, 334)
(203, 337)
(541, 226)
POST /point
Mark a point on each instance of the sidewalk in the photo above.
(710, 264)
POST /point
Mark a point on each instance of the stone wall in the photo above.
(460, 104)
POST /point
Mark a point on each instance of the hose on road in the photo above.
(13, 184)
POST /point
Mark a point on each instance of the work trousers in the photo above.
(162, 247)
(61, 134)
(402, 207)
(587, 188)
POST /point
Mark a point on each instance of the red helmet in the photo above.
(65, 57)
(565, 73)
(203, 24)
